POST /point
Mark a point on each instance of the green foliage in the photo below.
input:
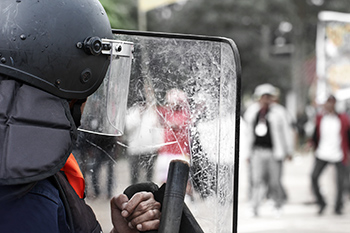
(121, 13)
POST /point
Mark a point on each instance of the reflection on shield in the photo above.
(191, 87)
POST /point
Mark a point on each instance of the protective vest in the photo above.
(36, 133)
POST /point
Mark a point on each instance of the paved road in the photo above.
(298, 216)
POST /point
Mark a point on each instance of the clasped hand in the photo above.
(140, 213)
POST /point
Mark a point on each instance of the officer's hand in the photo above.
(140, 213)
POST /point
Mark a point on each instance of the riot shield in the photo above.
(183, 103)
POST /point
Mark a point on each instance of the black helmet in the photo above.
(55, 45)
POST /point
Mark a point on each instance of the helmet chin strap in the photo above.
(75, 110)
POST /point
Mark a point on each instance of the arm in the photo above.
(140, 213)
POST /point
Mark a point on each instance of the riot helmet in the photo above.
(61, 47)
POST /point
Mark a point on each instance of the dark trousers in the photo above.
(137, 162)
(318, 168)
(95, 178)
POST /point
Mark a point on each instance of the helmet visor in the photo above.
(104, 111)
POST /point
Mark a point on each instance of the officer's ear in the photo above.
(82, 107)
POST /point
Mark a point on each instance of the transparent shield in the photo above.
(183, 102)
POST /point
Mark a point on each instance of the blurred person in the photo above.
(331, 143)
(104, 155)
(293, 125)
(144, 136)
(175, 119)
(202, 169)
(93, 152)
(269, 142)
(47, 72)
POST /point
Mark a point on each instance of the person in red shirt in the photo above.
(175, 117)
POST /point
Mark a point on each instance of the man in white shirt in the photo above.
(331, 142)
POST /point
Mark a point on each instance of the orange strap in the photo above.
(75, 177)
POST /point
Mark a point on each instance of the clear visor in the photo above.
(104, 111)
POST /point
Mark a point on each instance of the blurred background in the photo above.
(276, 38)
(277, 41)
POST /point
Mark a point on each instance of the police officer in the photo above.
(53, 55)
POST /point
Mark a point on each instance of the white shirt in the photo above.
(143, 130)
(329, 146)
